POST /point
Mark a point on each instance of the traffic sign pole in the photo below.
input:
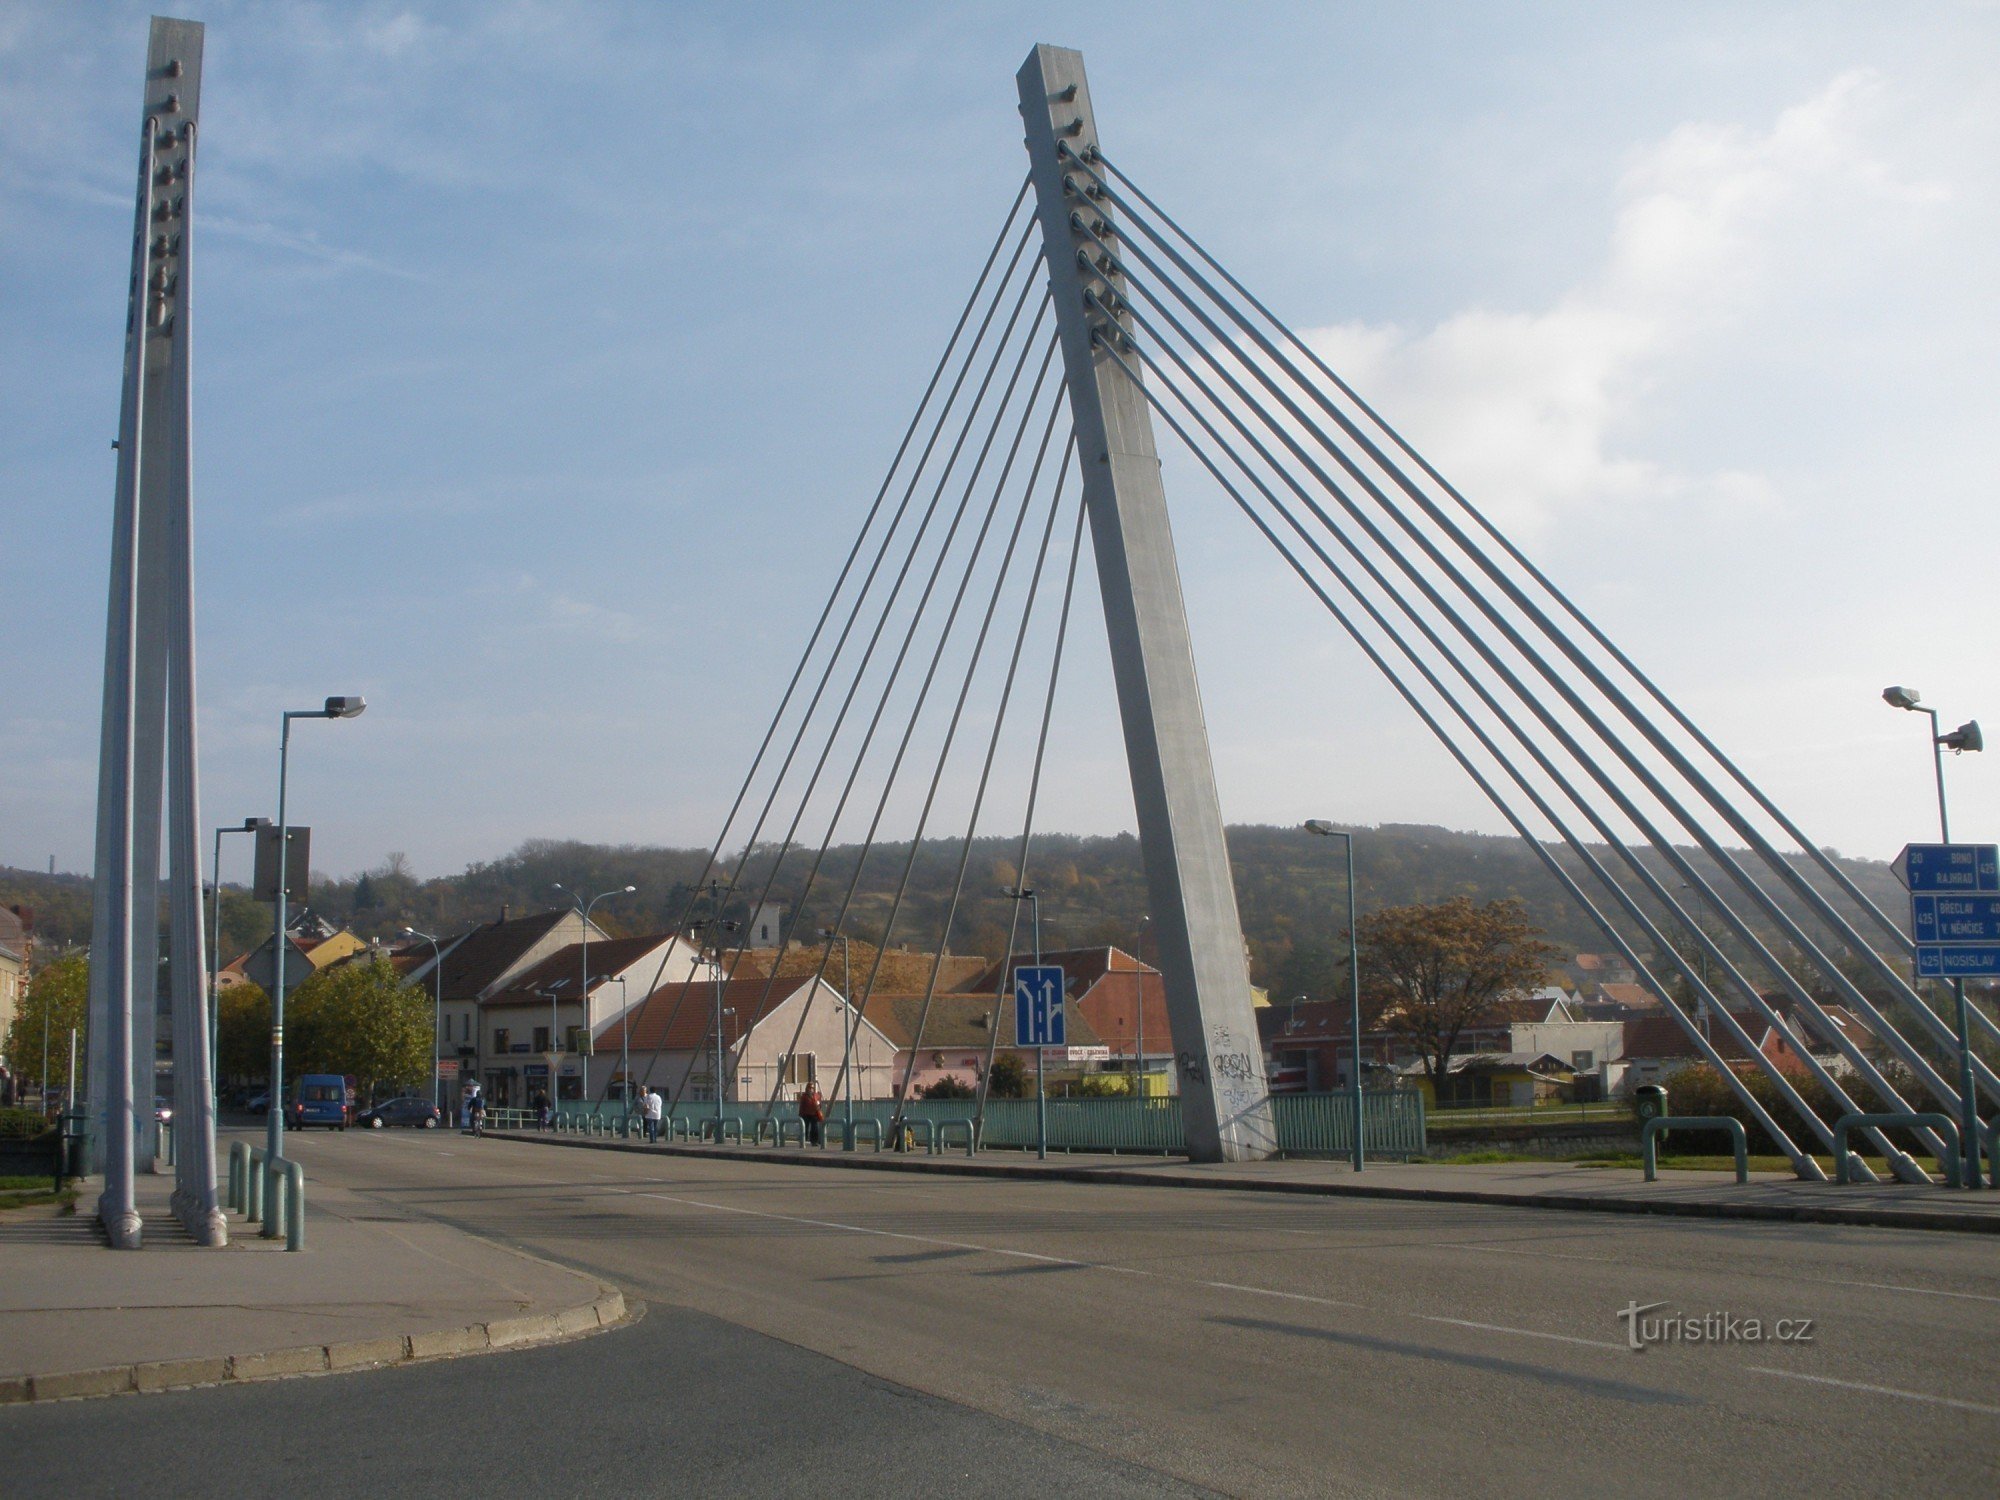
(1955, 919)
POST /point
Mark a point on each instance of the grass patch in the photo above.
(35, 1196)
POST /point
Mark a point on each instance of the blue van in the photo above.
(320, 1099)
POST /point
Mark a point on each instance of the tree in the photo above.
(1008, 1079)
(59, 995)
(951, 1086)
(360, 1019)
(243, 1032)
(1432, 971)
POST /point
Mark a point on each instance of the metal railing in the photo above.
(1944, 1125)
(1650, 1132)
(1308, 1125)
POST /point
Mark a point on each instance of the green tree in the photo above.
(243, 1040)
(359, 1019)
(1009, 1078)
(1432, 971)
(59, 995)
(951, 1086)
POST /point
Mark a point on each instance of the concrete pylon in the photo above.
(147, 745)
(1225, 1099)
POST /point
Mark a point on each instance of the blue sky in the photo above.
(548, 355)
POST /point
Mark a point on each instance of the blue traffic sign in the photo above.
(1958, 961)
(1955, 919)
(1038, 1006)
(1949, 867)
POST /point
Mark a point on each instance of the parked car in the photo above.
(418, 1113)
(258, 1102)
(320, 1099)
(163, 1109)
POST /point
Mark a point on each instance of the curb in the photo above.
(607, 1311)
(1932, 1220)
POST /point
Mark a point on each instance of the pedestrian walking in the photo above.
(545, 1114)
(812, 1110)
(652, 1107)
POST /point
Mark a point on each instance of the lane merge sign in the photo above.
(1039, 1014)
(1954, 908)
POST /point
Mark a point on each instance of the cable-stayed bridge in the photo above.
(1096, 321)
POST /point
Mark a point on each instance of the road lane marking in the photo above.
(1088, 1265)
(1878, 1390)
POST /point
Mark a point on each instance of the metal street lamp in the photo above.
(717, 928)
(848, 1026)
(1326, 830)
(250, 825)
(1958, 741)
(437, 1028)
(1025, 893)
(350, 707)
(583, 1081)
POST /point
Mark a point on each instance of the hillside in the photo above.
(1092, 891)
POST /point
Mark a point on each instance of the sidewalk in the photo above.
(371, 1288)
(1554, 1185)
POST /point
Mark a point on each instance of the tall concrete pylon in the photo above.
(147, 746)
(1225, 1099)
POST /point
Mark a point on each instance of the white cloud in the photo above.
(1534, 413)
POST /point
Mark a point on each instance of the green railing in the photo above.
(1309, 1125)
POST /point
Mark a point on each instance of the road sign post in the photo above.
(1955, 920)
(1041, 1022)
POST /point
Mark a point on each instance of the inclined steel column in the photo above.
(1224, 1096)
(148, 723)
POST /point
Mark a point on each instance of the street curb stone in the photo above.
(1877, 1218)
(152, 1376)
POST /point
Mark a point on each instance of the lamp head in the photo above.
(1965, 737)
(1319, 825)
(1018, 892)
(630, 889)
(350, 707)
(251, 825)
(1901, 697)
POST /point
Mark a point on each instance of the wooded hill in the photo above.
(1288, 883)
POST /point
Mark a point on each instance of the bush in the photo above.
(22, 1125)
(951, 1086)
(1009, 1078)
(1701, 1090)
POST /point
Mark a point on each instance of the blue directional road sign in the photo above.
(1949, 867)
(1958, 961)
(1038, 1006)
(1955, 919)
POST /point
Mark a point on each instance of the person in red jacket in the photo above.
(812, 1110)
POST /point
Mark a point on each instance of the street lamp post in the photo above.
(850, 1024)
(274, 1135)
(1139, 1016)
(437, 1006)
(1965, 737)
(1025, 893)
(250, 825)
(1326, 830)
(717, 928)
(583, 1081)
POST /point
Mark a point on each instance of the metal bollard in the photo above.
(239, 1163)
(295, 1206)
(253, 1188)
(274, 1198)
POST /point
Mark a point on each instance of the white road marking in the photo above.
(1088, 1265)
(1878, 1390)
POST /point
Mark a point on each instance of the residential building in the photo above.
(1122, 1000)
(777, 1035)
(315, 944)
(1657, 1047)
(16, 948)
(585, 1013)
(957, 1035)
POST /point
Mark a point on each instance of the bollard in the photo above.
(239, 1158)
(971, 1146)
(253, 1183)
(295, 1206)
(274, 1198)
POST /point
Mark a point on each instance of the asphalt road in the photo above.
(1030, 1337)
